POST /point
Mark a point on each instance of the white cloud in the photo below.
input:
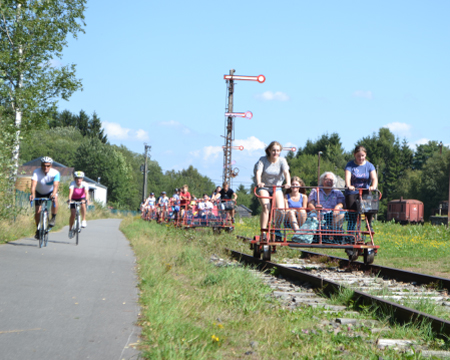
(414, 144)
(212, 151)
(116, 131)
(250, 144)
(142, 135)
(273, 96)
(363, 94)
(401, 129)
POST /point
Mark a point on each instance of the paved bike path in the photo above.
(69, 302)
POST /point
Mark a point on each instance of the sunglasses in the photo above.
(46, 166)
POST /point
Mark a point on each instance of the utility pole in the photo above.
(144, 190)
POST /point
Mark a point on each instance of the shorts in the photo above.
(39, 195)
(73, 206)
(269, 190)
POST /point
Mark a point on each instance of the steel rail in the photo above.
(391, 273)
(383, 271)
(400, 313)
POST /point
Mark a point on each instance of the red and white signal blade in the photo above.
(259, 78)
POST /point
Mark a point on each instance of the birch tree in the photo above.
(33, 34)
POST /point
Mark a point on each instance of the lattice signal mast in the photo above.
(228, 172)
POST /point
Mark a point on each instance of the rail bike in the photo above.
(215, 216)
(196, 214)
(320, 228)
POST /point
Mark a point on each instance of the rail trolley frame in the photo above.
(355, 239)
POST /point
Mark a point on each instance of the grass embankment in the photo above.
(23, 226)
(193, 309)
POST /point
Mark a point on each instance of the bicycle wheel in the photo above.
(42, 226)
(77, 229)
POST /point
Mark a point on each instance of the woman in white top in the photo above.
(271, 170)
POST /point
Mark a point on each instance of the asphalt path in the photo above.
(69, 302)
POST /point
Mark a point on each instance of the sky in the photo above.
(153, 73)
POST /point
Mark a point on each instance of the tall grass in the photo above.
(193, 309)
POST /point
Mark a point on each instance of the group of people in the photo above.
(272, 171)
(45, 183)
(182, 200)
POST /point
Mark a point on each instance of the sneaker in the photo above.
(232, 220)
(71, 234)
(51, 223)
(36, 235)
(83, 224)
(278, 236)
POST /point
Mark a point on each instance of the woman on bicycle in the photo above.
(78, 191)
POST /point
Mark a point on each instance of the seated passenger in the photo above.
(215, 197)
(296, 198)
(331, 200)
(205, 206)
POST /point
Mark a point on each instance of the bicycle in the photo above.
(77, 223)
(43, 226)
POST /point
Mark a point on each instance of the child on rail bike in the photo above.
(78, 191)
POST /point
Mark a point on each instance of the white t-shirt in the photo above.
(44, 182)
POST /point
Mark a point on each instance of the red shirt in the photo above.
(185, 198)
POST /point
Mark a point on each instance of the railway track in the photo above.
(389, 289)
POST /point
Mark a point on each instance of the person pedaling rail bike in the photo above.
(163, 204)
(148, 205)
(78, 191)
(271, 170)
(44, 184)
(332, 200)
(359, 173)
(185, 199)
(175, 201)
(228, 199)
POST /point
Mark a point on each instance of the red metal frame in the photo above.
(360, 239)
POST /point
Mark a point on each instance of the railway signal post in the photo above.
(228, 173)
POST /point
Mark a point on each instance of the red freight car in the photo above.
(405, 211)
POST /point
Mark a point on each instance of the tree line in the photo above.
(78, 141)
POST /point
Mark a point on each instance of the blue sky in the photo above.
(153, 72)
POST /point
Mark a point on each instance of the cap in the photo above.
(152, 193)
(163, 192)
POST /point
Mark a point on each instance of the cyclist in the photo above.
(78, 191)
(44, 184)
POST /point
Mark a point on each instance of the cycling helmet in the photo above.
(46, 159)
(78, 174)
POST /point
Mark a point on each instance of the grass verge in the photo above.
(193, 309)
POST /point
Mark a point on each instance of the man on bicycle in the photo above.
(44, 184)
(78, 191)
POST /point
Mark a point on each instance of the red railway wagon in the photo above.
(405, 211)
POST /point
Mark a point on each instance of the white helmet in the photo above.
(78, 174)
(46, 159)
